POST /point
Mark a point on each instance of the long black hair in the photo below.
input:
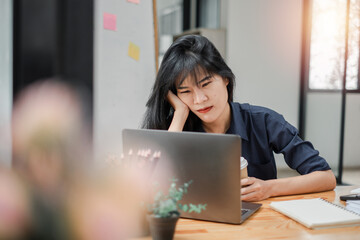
(190, 54)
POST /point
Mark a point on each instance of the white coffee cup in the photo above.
(243, 167)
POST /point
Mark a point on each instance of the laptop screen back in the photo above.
(211, 161)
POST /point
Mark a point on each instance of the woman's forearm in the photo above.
(313, 182)
(178, 121)
(181, 113)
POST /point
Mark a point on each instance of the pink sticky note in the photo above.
(110, 21)
(134, 1)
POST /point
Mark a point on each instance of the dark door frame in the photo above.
(54, 39)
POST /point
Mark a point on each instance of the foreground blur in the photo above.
(52, 191)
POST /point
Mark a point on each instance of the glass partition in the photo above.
(5, 80)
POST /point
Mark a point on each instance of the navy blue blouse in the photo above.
(264, 131)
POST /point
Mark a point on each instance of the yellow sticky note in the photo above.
(134, 51)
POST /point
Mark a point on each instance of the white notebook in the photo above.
(316, 213)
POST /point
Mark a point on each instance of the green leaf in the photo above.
(197, 208)
(165, 205)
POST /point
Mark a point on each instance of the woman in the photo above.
(193, 91)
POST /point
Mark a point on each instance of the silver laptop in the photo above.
(211, 161)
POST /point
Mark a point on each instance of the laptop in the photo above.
(211, 161)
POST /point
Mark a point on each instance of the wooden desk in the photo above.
(268, 224)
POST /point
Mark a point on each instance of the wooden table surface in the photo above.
(268, 224)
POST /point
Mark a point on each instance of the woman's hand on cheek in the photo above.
(177, 104)
(181, 112)
(254, 189)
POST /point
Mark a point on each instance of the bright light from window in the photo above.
(352, 70)
(327, 50)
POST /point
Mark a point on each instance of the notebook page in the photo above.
(316, 213)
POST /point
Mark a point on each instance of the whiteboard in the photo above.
(122, 84)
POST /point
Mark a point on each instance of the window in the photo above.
(328, 43)
(208, 14)
(169, 23)
(177, 16)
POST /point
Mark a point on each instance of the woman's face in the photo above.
(207, 99)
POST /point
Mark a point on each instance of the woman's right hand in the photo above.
(176, 103)
(181, 112)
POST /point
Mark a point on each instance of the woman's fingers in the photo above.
(176, 102)
(173, 99)
(254, 189)
(247, 181)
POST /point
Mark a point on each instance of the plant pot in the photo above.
(162, 228)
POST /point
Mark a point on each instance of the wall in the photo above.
(5, 80)
(121, 84)
(352, 131)
(264, 51)
(323, 126)
(323, 113)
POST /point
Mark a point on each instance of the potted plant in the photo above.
(165, 210)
